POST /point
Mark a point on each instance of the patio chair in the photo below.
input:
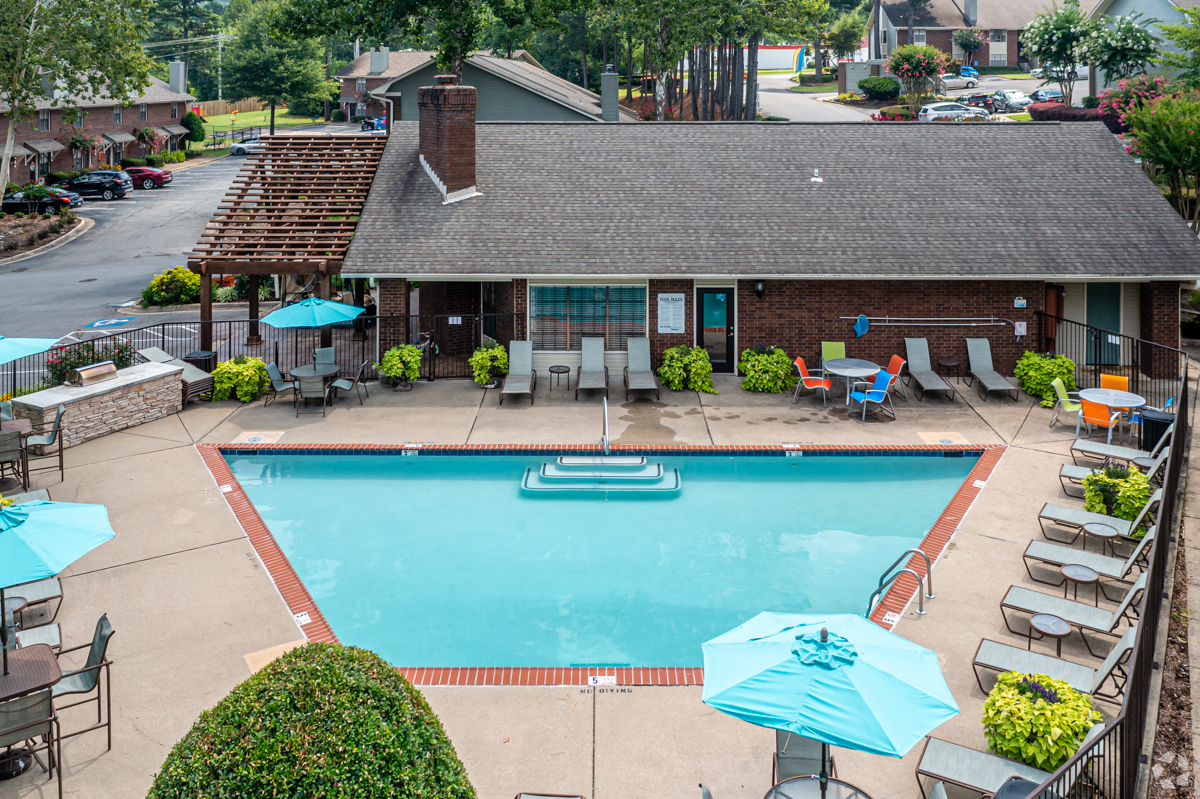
(1075, 474)
(639, 376)
(979, 353)
(12, 458)
(1094, 450)
(986, 773)
(920, 371)
(43, 598)
(997, 657)
(310, 388)
(1118, 383)
(1077, 518)
(359, 383)
(1083, 616)
(195, 381)
(521, 377)
(1064, 401)
(877, 394)
(30, 721)
(807, 381)
(6, 412)
(705, 793)
(894, 368)
(87, 679)
(324, 355)
(832, 351)
(1136, 416)
(47, 439)
(278, 384)
(1057, 556)
(1093, 413)
(30, 496)
(592, 374)
(48, 634)
(797, 756)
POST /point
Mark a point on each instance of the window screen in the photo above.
(560, 316)
(918, 36)
(999, 60)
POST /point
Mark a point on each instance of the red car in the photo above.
(147, 177)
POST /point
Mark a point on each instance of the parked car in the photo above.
(148, 177)
(105, 183)
(1009, 100)
(1051, 72)
(247, 146)
(968, 72)
(978, 99)
(1047, 95)
(54, 204)
(950, 111)
(956, 82)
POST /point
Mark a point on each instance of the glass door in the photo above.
(714, 324)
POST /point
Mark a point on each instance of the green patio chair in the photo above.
(1064, 402)
(278, 384)
(1080, 615)
(832, 351)
(358, 384)
(797, 756)
(6, 411)
(31, 722)
(324, 355)
(1000, 658)
(310, 388)
(12, 458)
(979, 353)
(47, 439)
(87, 679)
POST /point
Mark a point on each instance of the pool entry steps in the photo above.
(601, 473)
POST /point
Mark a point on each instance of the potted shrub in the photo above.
(489, 364)
(401, 365)
(1036, 720)
(242, 377)
(1117, 490)
(1035, 372)
(767, 369)
(687, 367)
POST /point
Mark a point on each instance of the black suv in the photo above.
(105, 184)
(977, 99)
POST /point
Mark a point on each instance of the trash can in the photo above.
(1154, 427)
(205, 360)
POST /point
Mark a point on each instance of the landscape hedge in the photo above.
(880, 89)
(322, 721)
(1058, 112)
(60, 177)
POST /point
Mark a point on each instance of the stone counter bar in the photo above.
(137, 395)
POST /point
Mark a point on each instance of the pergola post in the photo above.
(252, 336)
(206, 328)
(324, 292)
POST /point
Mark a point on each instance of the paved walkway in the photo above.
(193, 607)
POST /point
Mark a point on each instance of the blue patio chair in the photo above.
(878, 394)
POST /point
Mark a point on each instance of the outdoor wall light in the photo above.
(760, 288)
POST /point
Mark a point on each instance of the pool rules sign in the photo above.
(670, 313)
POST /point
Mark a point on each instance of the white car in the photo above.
(956, 82)
(1050, 72)
(247, 146)
(950, 111)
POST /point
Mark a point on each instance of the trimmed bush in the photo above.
(132, 162)
(188, 154)
(177, 286)
(687, 367)
(155, 161)
(242, 377)
(1035, 374)
(1091, 101)
(767, 369)
(880, 89)
(1058, 112)
(60, 177)
(338, 115)
(1036, 720)
(321, 721)
(901, 110)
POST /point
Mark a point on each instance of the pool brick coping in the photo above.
(299, 601)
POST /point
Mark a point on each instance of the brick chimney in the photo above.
(446, 115)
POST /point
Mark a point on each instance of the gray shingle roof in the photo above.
(1000, 14)
(1039, 200)
(157, 92)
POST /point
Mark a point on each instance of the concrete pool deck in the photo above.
(193, 609)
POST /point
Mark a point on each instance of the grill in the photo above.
(93, 373)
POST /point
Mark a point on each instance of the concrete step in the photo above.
(534, 483)
(600, 461)
(649, 471)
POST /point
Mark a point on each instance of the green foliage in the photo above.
(1121, 46)
(767, 369)
(132, 162)
(1058, 38)
(1117, 490)
(241, 287)
(880, 89)
(901, 110)
(156, 161)
(844, 35)
(1185, 56)
(1091, 101)
(62, 360)
(191, 121)
(1036, 720)
(245, 378)
(1166, 133)
(970, 40)
(1035, 373)
(321, 721)
(338, 115)
(918, 67)
(61, 177)
(403, 361)
(687, 367)
(177, 286)
(485, 360)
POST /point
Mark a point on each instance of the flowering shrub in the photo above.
(148, 137)
(176, 286)
(1165, 134)
(970, 40)
(245, 378)
(1131, 93)
(1058, 38)
(883, 116)
(918, 67)
(1036, 720)
(80, 140)
(61, 360)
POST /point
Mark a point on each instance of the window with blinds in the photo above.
(560, 316)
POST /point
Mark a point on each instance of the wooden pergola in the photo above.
(291, 210)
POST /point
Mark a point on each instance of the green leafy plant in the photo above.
(1036, 720)
(485, 360)
(62, 360)
(1036, 372)
(767, 369)
(403, 361)
(880, 89)
(174, 287)
(245, 378)
(323, 720)
(687, 367)
(191, 121)
(224, 294)
(1116, 490)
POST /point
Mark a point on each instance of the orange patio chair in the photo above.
(1118, 383)
(895, 366)
(808, 381)
(1094, 413)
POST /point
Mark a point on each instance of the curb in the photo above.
(133, 310)
(85, 224)
(183, 167)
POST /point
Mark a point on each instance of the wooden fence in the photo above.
(210, 108)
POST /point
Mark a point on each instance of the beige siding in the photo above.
(1074, 309)
(1131, 318)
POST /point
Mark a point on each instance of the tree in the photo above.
(970, 41)
(86, 49)
(845, 34)
(259, 64)
(178, 21)
(191, 121)
(1057, 39)
(1123, 48)
(918, 67)
(914, 6)
(1165, 132)
(1186, 38)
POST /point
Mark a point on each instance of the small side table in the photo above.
(1105, 532)
(951, 366)
(560, 371)
(1080, 575)
(1050, 627)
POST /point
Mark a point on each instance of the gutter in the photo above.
(501, 276)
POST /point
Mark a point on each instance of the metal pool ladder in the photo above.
(604, 438)
(924, 588)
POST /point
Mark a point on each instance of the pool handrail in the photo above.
(927, 582)
(604, 438)
(887, 583)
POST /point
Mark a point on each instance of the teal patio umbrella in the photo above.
(838, 679)
(312, 312)
(39, 539)
(12, 349)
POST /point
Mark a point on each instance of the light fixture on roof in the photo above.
(816, 178)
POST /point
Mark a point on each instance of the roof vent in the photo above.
(816, 178)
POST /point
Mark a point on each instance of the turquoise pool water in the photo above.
(446, 561)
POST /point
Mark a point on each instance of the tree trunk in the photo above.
(9, 140)
(585, 43)
(911, 13)
(817, 59)
(875, 29)
(752, 79)
(693, 74)
(328, 55)
(272, 117)
(662, 70)
(739, 82)
(628, 68)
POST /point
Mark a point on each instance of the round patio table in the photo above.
(1112, 398)
(1105, 532)
(1050, 626)
(1080, 575)
(810, 788)
(851, 369)
(316, 370)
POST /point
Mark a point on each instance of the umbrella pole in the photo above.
(4, 631)
(824, 766)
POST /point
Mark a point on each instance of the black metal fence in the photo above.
(449, 339)
(1111, 765)
(1153, 370)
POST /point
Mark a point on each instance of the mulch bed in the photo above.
(20, 231)
(1172, 764)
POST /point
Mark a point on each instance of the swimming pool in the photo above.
(446, 560)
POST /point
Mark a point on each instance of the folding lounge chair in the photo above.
(878, 394)
(1080, 615)
(1075, 474)
(979, 353)
(986, 773)
(921, 372)
(1094, 450)
(195, 380)
(1057, 556)
(811, 383)
(592, 373)
(1076, 518)
(521, 379)
(997, 657)
(638, 374)
(797, 756)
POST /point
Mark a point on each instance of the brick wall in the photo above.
(798, 315)
(660, 342)
(393, 300)
(1160, 324)
(446, 299)
(944, 41)
(447, 133)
